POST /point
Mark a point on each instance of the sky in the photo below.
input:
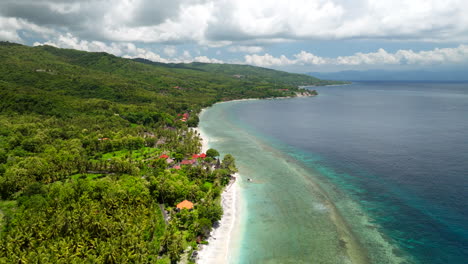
(292, 35)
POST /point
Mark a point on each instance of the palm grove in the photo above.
(81, 140)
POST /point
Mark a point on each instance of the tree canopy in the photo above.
(212, 153)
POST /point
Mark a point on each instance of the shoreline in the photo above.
(298, 95)
(225, 233)
(304, 86)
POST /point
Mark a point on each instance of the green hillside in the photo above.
(248, 73)
(104, 76)
(93, 146)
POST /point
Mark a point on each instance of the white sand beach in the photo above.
(205, 146)
(225, 234)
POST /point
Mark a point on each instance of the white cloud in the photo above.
(10, 27)
(245, 49)
(9, 35)
(170, 51)
(64, 8)
(71, 42)
(436, 56)
(186, 54)
(207, 60)
(242, 26)
(268, 60)
(309, 58)
(188, 24)
(337, 19)
(217, 23)
(431, 57)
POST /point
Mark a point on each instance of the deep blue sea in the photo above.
(395, 153)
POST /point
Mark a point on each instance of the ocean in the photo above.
(373, 172)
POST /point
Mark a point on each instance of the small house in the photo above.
(185, 205)
(188, 162)
(196, 156)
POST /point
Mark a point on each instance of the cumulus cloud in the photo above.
(268, 60)
(11, 26)
(245, 49)
(381, 57)
(186, 54)
(122, 27)
(77, 16)
(207, 60)
(153, 12)
(170, 51)
(225, 22)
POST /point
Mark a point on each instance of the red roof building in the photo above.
(188, 162)
(163, 156)
(196, 156)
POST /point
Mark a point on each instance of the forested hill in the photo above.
(173, 87)
(248, 73)
(95, 150)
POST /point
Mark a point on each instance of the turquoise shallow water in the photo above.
(343, 177)
(289, 218)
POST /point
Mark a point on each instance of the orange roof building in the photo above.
(185, 205)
